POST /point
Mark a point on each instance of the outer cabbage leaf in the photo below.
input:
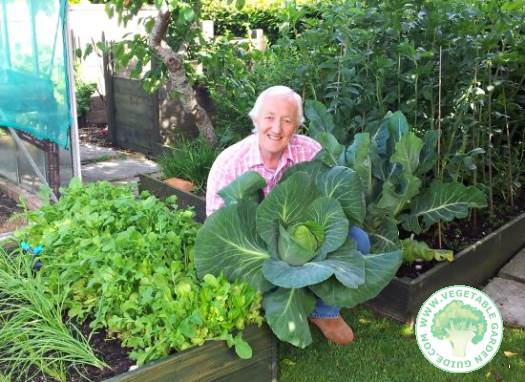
(344, 185)
(285, 275)
(379, 271)
(346, 264)
(313, 168)
(228, 243)
(286, 311)
(285, 205)
(248, 186)
(442, 202)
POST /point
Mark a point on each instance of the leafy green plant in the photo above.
(395, 168)
(127, 265)
(83, 93)
(33, 337)
(189, 159)
(413, 250)
(293, 246)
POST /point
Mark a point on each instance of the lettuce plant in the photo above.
(294, 246)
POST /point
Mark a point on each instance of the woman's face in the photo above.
(276, 124)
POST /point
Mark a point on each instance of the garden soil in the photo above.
(8, 207)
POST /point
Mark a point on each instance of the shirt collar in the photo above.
(254, 158)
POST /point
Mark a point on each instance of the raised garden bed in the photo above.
(402, 298)
(184, 199)
(474, 265)
(213, 362)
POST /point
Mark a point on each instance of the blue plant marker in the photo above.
(25, 246)
(37, 250)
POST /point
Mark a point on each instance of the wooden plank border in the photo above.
(213, 362)
(402, 298)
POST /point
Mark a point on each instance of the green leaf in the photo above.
(397, 125)
(242, 348)
(245, 187)
(442, 202)
(286, 311)
(348, 265)
(284, 275)
(188, 14)
(397, 193)
(228, 243)
(313, 168)
(329, 215)
(285, 205)
(382, 231)
(320, 119)
(344, 185)
(333, 153)
(380, 269)
(359, 159)
(407, 151)
(428, 155)
(413, 250)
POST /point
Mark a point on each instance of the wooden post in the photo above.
(107, 59)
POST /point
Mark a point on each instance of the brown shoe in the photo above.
(334, 329)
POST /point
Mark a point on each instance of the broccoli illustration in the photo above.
(459, 323)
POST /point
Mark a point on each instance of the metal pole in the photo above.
(6, 35)
(75, 146)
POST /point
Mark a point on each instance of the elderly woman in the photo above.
(273, 148)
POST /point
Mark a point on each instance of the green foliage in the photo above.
(127, 264)
(294, 245)
(364, 58)
(395, 166)
(413, 250)
(459, 323)
(189, 159)
(33, 337)
(83, 93)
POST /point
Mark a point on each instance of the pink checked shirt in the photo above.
(245, 156)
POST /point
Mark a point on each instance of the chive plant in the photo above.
(34, 340)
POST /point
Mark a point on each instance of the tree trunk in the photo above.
(178, 82)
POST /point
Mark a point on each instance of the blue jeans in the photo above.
(323, 310)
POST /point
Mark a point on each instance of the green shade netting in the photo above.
(34, 87)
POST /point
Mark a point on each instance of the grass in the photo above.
(385, 350)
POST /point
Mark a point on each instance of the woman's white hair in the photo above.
(276, 91)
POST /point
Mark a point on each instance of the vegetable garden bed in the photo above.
(184, 199)
(402, 298)
(213, 362)
(474, 265)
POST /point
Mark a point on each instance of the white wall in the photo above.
(87, 22)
